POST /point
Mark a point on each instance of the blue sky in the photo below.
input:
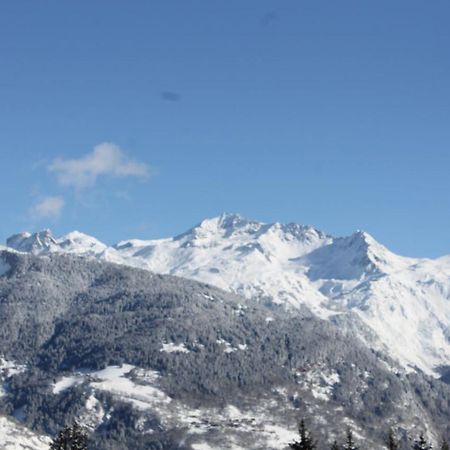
(138, 119)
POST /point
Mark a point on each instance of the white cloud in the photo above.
(48, 208)
(105, 159)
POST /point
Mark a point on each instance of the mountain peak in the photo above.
(365, 237)
(43, 242)
(224, 225)
(225, 221)
(360, 240)
(378, 255)
(32, 243)
(80, 243)
(231, 220)
(232, 223)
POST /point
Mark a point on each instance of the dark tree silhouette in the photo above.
(444, 445)
(391, 442)
(335, 445)
(70, 438)
(421, 443)
(350, 443)
(306, 441)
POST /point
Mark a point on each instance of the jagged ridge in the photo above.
(402, 301)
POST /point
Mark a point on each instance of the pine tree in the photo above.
(444, 445)
(391, 442)
(421, 443)
(70, 438)
(335, 445)
(306, 441)
(350, 443)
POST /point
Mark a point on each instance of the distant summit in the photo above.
(43, 242)
(32, 243)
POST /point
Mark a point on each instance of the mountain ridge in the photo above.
(403, 301)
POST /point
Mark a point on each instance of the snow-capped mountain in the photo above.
(43, 242)
(403, 302)
(176, 364)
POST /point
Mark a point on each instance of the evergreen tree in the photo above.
(335, 445)
(350, 443)
(306, 441)
(444, 445)
(421, 443)
(391, 442)
(70, 438)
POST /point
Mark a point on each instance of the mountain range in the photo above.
(150, 361)
(221, 338)
(395, 304)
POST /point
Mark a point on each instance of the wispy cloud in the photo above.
(106, 159)
(48, 208)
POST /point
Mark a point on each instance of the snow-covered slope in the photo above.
(167, 360)
(43, 242)
(249, 258)
(15, 436)
(140, 388)
(405, 301)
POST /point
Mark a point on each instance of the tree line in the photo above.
(75, 437)
(307, 442)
